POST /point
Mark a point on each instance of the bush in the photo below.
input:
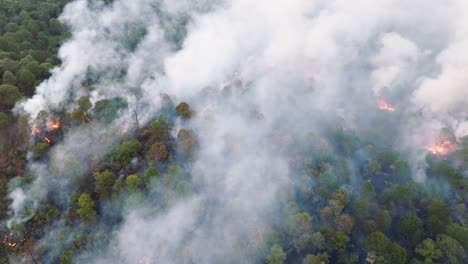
(9, 78)
(9, 95)
(127, 151)
(158, 151)
(183, 110)
(5, 120)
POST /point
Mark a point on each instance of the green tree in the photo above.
(39, 70)
(299, 228)
(3, 193)
(382, 250)
(158, 151)
(318, 241)
(438, 216)
(410, 229)
(9, 78)
(451, 249)
(78, 116)
(277, 255)
(173, 176)
(103, 183)
(9, 95)
(367, 190)
(54, 26)
(11, 27)
(316, 259)
(38, 150)
(397, 255)
(67, 257)
(26, 81)
(43, 116)
(5, 120)
(361, 211)
(149, 173)
(8, 64)
(117, 188)
(387, 159)
(127, 151)
(183, 110)
(183, 188)
(338, 242)
(459, 232)
(185, 143)
(403, 194)
(105, 111)
(86, 208)
(23, 133)
(402, 171)
(133, 182)
(383, 220)
(344, 223)
(39, 56)
(378, 242)
(84, 103)
(373, 167)
(158, 131)
(428, 251)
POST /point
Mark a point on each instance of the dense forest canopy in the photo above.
(154, 131)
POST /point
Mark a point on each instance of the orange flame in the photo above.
(53, 125)
(442, 148)
(47, 140)
(35, 131)
(384, 106)
(6, 241)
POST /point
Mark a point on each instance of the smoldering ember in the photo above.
(233, 131)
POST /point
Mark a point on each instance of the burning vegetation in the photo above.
(442, 148)
(384, 106)
(53, 125)
(8, 240)
(443, 144)
(47, 131)
(258, 174)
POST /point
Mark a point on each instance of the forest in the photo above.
(76, 177)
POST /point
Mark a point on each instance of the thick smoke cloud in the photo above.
(261, 76)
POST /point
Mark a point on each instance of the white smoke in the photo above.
(290, 61)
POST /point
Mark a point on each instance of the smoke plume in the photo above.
(261, 76)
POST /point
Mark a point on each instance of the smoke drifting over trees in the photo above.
(188, 127)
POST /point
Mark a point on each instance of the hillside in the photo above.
(155, 131)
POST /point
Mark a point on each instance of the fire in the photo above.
(6, 241)
(36, 131)
(122, 131)
(47, 140)
(384, 106)
(49, 126)
(53, 125)
(442, 148)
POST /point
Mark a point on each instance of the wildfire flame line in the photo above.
(382, 105)
(53, 125)
(442, 148)
(50, 126)
(6, 241)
